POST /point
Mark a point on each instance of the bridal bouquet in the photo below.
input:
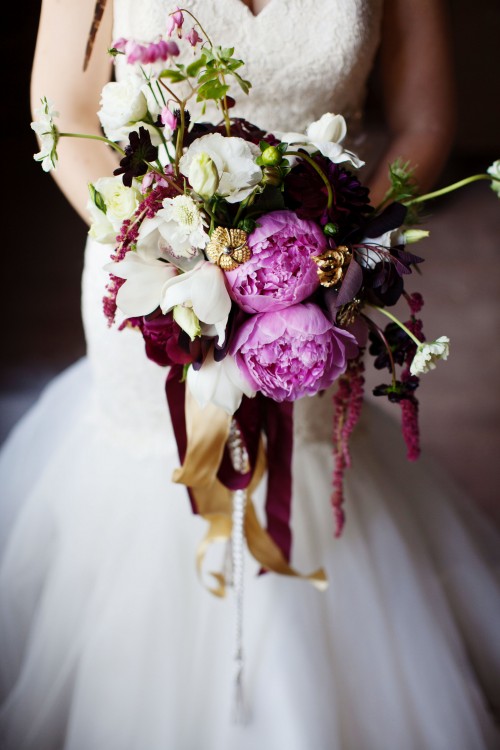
(255, 268)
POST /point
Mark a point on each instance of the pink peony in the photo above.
(280, 272)
(292, 352)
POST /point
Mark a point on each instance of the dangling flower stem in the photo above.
(383, 338)
(398, 322)
(94, 138)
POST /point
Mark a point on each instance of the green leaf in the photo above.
(194, 68)
(212, 90)
(234, 64)
(97, 198)
(209, 75)
(225, 53)
(175, 76)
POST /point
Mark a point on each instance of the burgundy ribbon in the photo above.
(254, 416)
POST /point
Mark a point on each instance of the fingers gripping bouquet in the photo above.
(255, 268)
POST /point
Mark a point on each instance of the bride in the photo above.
(109, 640)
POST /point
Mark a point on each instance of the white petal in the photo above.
(210, 298)
(141, 293)
(219, 383)
(329, 127)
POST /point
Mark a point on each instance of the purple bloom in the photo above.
(293, 352)
(281, 271)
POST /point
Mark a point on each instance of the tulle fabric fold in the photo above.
(110, 642)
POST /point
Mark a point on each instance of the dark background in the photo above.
(43, 241)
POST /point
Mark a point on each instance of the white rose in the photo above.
(122, 105)
(120, 203)
(324, 135)
(428, 353)
(234, 160)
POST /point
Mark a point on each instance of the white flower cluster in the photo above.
(428, 353)
(47, 134)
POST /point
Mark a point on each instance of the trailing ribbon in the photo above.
(207, 471)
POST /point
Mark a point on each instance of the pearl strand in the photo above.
(240, 461)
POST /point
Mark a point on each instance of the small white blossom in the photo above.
(47, 133)
(494, 171)
(428, 353)
(234, 160)
(324, 135)
(182, 226)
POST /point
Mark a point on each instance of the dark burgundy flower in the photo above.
(399, 343)
(240, 128)
(161, 335)
(139, 151)
(306, 193)
(399, 391)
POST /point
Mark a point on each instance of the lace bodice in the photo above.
(304, 58)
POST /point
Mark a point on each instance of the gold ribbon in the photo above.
(207, 432)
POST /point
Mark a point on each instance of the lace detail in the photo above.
(319, 61)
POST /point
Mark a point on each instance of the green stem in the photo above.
(307, 158)
(448, 189)
(94, 138)
(398, 322)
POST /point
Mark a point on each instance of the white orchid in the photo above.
(204, 290)
(234, 160)
(111, 203)
(324, 135)
(145, 280)
(47, 133)
(182, 226)
(428, 353)
(219, 383)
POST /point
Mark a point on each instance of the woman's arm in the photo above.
(58, 74)
(418, 90)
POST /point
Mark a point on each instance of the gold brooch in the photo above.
(228, 248)
(332, 265)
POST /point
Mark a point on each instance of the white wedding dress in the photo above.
(109, 640)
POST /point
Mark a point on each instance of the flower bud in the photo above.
(330, 229)
(186, 319)
(203, 175)
(414, 235)
(271, 156)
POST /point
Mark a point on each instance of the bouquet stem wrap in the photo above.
(207, 471)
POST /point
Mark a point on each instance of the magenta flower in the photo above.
(281, 271)
(193, 37)
(168, 118)
(175, 21)
(293, 352)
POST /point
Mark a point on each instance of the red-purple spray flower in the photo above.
(174, 22)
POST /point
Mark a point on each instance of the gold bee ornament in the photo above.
(228, 248)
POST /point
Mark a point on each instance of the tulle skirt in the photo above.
(111, 642)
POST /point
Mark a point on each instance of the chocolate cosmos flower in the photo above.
(139, 151)
(306, 193)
